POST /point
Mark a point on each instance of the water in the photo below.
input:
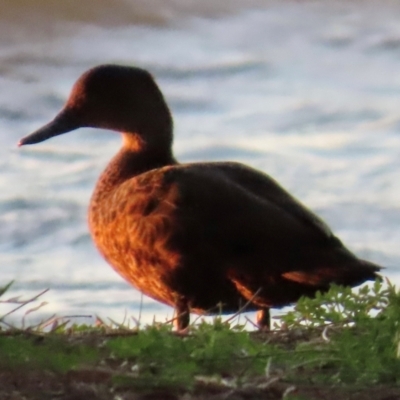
(306, 91)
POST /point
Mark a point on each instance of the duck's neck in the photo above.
(134, 158)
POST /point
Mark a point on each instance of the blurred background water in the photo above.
(307, 91)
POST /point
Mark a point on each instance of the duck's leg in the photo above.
(263, 319)
(182, 318)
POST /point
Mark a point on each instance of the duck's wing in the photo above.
(257, 234)
(268, 189)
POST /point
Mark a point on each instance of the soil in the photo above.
(96, 384)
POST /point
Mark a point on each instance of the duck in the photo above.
(206, 237)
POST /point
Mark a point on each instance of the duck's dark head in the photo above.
(123, 99)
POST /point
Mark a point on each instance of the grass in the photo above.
(342, 344)
(52, 354)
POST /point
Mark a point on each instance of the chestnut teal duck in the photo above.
(203, 237)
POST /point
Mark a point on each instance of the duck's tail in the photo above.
(370, 270)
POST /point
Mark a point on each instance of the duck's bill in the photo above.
(60, 124)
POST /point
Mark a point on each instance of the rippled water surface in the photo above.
(306, 91)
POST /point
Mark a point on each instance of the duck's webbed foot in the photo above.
(263, 319)
(182, 318)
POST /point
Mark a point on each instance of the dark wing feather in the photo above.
(265, 187)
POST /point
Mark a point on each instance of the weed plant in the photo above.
(361, 333)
